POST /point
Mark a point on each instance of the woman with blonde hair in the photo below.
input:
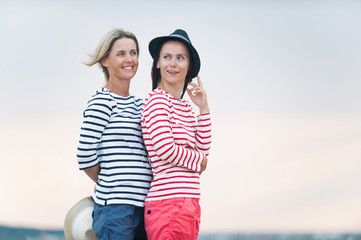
(111, 150)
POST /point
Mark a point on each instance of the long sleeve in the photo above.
(203, 134)
(96, 117)
(177, 143)
(157, 121)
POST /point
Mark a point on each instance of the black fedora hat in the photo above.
(182, 36)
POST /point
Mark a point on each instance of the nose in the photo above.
(173, 62)
(128, 58)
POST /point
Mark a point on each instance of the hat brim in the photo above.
(156, 42)
(78, 221)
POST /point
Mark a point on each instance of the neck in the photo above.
(120, 88)
(173, 89)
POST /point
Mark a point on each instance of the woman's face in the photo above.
(122, 61)
(173, 62)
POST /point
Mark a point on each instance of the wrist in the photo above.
(204, 110)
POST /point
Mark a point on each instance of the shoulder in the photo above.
(157, 98)
(101, 98)
(101, 94)
(138, 102)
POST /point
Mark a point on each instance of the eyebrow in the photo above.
(122, 50)
(181, 54)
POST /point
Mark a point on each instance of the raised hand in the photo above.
(198, 96)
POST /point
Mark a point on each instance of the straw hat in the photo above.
(78, 221)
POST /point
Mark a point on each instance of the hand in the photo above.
(204, 164)
(198, 96)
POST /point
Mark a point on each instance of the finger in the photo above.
(199, 81)
(192, 92)
(194, 88)
(198, 89)
(192, 84)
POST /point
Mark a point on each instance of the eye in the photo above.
(133, 53)
(180, 58)
(120, 53)
(166, 57)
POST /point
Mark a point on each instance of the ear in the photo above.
(104, 62)
(158, 65)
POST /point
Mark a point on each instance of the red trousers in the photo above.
(172, 219)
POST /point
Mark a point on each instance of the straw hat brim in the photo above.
(78, 221)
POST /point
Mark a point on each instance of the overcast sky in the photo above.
(283, 79)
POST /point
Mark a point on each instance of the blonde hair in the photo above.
(105, 46)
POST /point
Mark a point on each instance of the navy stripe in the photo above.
(121, 147)
(125, 173)
(126, 122)
(126, 160)
(123, 192)
(112, 140)
(96, 110)
(123, 198)
(121, 134)
(115, 121)
(91, 130)
(100, 105)
(88, 136)
(96, 117)
(119, 167)
(87, 162)
(93, 123)
(126, 180)
(121, 154)
(130, 128)
(86, 156)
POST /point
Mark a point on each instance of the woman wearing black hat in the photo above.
(177, 142)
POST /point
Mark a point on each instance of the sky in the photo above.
(283, 81)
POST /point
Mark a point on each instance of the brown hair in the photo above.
(156, 76)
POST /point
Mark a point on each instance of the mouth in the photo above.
(172, 72)
(128, 67)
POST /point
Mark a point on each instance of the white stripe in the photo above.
(79, 218)
(115, 153)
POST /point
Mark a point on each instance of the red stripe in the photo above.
(181, 157)
(158, 149)
(176, 182)
(170, 194)
(204, 131)
(182, 131)
(203, 126)
(203, 149)
(203, 137)
(167, 178)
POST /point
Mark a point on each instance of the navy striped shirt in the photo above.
(111, 136)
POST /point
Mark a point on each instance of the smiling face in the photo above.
(122, 61)
(173, 63)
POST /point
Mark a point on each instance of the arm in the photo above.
(156, 120)
(199, 97)
(96, 117)
(93, 172)
(204, 134)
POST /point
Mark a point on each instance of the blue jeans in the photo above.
(119, 221)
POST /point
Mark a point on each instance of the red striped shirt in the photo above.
(176, 142)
